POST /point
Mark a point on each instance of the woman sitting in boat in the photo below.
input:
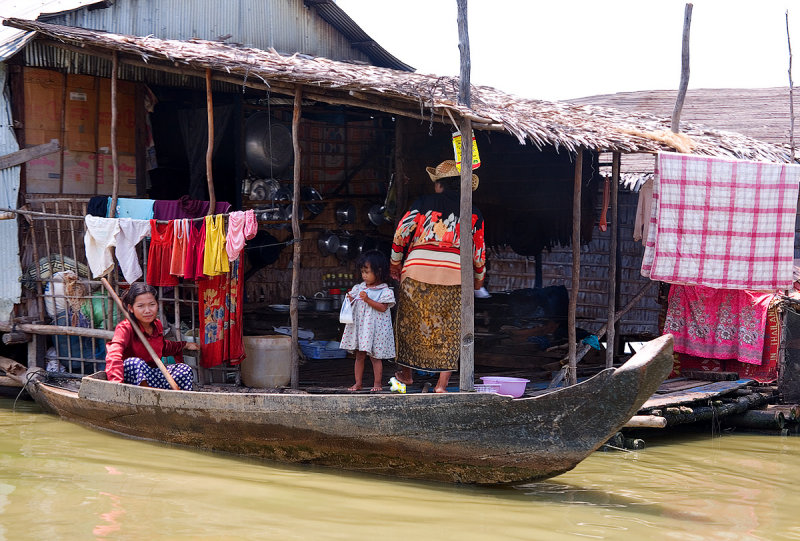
(125, 353)
(428, 327)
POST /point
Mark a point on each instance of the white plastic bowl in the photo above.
(510, 386)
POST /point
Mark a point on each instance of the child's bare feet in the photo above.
(356, 387)
(438, 389)
(376, 389)
(402, 379)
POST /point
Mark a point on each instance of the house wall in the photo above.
(287, 26)
(10, 269)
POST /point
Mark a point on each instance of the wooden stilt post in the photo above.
(576, 267)
(112, 212)
(612, 263)
(212, 198)
(298, 96)
(467, 361)
(684, 84)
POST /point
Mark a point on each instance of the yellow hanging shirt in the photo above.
(215, 258)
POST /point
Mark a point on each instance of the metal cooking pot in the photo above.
(345, 214)
(328, 243)
(322, 303)
(347, 247)
(307, 193)
(267, 145)
(376, 215)
(365, 244)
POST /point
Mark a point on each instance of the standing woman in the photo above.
(126, 354)
(428, 330)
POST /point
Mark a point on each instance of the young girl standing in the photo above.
(126, 354)
(371, 331)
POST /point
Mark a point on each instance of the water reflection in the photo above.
(62, 481)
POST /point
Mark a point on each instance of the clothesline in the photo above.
(81, 218)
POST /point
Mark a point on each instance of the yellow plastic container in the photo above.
(269, 361)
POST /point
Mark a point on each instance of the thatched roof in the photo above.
(557, 124)
(762, 113)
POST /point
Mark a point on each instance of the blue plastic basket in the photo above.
(321, 349)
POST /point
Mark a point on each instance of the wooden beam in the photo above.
(112, 210)
(576, 267)
(612, 262)
(298, 99)
(676, 112)
(646, 421)
(212, 197)
(54, 330)
(28, 154)
(467, 361)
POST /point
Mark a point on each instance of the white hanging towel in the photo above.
(131, 233)
(100, 237)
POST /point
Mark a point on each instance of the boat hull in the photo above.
(454, 437)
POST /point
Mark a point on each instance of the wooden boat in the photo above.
(455, 437)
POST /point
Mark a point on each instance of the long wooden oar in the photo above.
(140, 334)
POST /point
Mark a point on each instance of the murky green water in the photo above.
(62, 481)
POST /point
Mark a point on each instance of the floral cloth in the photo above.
(371, 330)
(718, 323)
(221, 317)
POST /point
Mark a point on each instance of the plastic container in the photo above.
(321, 349)
(511, 386)
(487, 388)
(268, 363)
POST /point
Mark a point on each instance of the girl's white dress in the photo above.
(371, 330)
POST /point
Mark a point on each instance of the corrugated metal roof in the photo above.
(359, 39)
(10, 270)
(12, 39)
(287, 26)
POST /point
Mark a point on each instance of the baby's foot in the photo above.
(401, 379)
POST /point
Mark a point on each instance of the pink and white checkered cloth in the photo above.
(722, 223)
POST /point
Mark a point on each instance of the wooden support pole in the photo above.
(576, 267)
(612, 263)
(212, 198)
(791, 90)
(676, 112)
(295, 377)
(112, 211)
(467, 361)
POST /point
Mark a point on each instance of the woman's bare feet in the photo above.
(356, 387)
(402, 377)
(438, 389)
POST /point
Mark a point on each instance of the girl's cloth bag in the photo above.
(346, 311)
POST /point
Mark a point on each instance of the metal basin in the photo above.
(267, 145)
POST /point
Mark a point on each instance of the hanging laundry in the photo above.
(215, 259)
(235, 239)
(195, 250)
(179, 247)
(131, 233)
(186, 207)
(602, 225)
(250, 224)
(100, 237)
(722, 223)
(98, 206)
(221, 317)
(138, 209)
(718, 323)
(160, 255)
(644, 208)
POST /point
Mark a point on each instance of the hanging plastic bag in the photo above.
(346, 311)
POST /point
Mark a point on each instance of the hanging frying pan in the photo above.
(267, 145)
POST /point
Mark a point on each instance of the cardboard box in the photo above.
(80, 172)
(127, 174)
(80, 124)
(126, 117)
(44, 105)
(43, 175)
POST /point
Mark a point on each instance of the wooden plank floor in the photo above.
(702, 390)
